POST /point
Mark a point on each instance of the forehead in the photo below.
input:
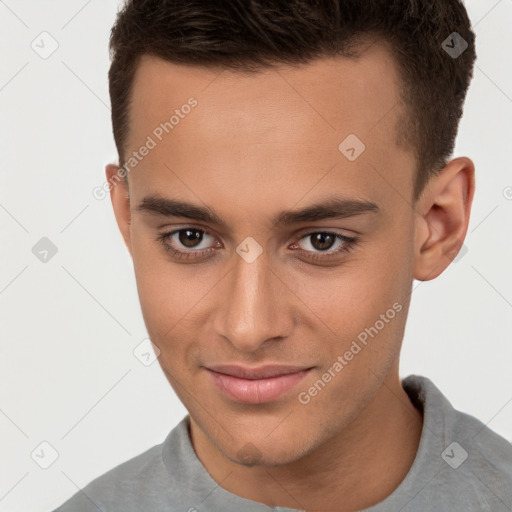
(339, 91)
(282, 123)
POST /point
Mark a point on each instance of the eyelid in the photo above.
(176, 229)
(332, 231)
(326, 232)
(206, 231)
(297, 235)
(349, 242)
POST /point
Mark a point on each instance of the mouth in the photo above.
(256, 385)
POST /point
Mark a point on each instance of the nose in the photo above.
(254, 309)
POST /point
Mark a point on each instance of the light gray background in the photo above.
(69, 326)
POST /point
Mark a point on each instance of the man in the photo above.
(284, 176)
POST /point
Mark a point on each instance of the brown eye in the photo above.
(193, 243)
(321, 245)
(322, 241)
(190, 237)
(188, 243)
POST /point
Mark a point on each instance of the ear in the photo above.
(120, 197)
(442, 218)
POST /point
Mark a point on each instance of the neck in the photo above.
(355, 469)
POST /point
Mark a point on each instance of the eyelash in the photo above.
(348, 244)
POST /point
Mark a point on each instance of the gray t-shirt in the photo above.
(461, 466)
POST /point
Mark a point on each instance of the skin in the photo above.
(256, 145)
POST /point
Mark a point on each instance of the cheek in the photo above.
(368, 326)
(162, 294)
(351, 297)
(362, 307)
(171, 297)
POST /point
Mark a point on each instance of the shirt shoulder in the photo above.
(484, 459)
(469, 465)
(166, 478)
(136, 484)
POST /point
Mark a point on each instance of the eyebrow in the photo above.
(329, 208)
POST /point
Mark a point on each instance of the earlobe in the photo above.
(442, 220)
(120, 199)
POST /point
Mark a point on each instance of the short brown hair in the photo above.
(248, 35)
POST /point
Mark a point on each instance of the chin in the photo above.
(266, 452)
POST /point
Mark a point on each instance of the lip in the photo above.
(256, 385)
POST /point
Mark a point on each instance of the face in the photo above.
(230, 274)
